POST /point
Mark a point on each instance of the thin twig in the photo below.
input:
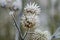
(25, 34)
(20, 34)
(16, 25)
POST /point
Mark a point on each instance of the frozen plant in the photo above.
(30, 21)
(41, 35)
(30, 18)
(45, 35)
(32, 9)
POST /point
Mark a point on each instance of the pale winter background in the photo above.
(49, 18)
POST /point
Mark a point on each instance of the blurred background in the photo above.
(50, 17)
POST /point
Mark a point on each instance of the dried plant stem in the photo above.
(26, 33)
(20, 34)
(16, 25)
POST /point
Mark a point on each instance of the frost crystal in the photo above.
(32, 8)
(41, 35)
(30, 18)
(29, 21)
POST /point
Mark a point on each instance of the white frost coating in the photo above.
(34, 20)
(33, 8)
(30, 13)
(17, 4)
(42, 35)
(11, 13)
(30, 16)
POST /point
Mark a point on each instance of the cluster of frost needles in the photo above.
(29, 20)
